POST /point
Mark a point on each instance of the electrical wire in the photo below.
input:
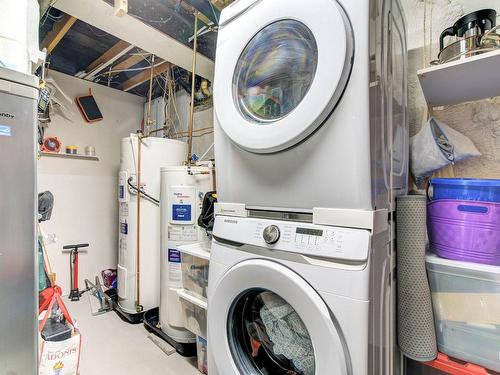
(206, 152)
(152, 21)
(129, 69)
(47, 12)
(213, 12)
(91, 28)
(194, 136)
(136, 190)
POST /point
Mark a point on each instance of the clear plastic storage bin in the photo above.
(195, 313)
(466, 301)
(202, 354)
(195, 266)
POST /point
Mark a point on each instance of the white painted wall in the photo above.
(86, 208)
(479, 120)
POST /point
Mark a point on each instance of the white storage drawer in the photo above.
(195, 313)
(466, 302)
(195, 267)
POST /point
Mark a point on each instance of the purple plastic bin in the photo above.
(465, 230)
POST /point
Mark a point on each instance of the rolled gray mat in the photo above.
(416, 330)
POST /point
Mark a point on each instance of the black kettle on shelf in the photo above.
(469, 31)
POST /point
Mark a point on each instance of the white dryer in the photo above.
(296, 298)
(310, 104)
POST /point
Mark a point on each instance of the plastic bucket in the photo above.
(465, 230)
(467, 189)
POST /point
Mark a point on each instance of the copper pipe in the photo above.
(214, 178)
(193, 86)
(138, 306)
(148, 120)
(138, 244)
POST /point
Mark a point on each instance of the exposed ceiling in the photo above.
(80, 49)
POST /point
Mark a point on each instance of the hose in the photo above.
(135, 189)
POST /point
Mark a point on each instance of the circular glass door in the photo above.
(267, 336)
(281, 70)
(275, 71)
(264, 319)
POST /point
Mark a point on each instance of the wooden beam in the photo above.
(100, 14)
(191, 9)
(144, 76)
(221, 4)
(114, 53)
(130, 61)
(58, 31)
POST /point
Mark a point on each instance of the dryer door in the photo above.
(281, 69)
(265, 319)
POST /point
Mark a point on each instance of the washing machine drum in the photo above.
(265, 319)
(267, 330)
(284, 73)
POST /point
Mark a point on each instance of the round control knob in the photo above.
(271, 234)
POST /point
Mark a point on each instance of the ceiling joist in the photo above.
(221, 4)
(108, 58)
(101, 15)
(58, 32)
(193, 10)
(144, 76)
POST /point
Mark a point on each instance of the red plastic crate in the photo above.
(449, 366)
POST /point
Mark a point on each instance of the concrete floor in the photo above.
(111, 346)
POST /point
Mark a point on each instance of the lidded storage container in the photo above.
(467, 189)
(466, 302)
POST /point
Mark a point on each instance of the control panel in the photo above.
(308, 239)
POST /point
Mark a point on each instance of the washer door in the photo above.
(281, 69)
(265, 319)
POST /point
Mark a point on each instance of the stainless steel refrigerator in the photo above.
(18, 270)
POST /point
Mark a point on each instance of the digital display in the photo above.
(310, 232)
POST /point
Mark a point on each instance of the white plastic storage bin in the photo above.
(202, 354)
(195, 313)
(466, 301)
(195, 266)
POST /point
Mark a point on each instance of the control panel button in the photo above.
(271, 234)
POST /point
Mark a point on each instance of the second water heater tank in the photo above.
(182, 193)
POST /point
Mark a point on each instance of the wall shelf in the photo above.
(461, 81)
(69, 156)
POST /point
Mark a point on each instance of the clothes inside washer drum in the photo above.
(287, 332)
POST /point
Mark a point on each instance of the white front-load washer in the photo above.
(296, 298)
(310, 104)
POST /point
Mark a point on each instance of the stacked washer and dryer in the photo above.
(311, 138)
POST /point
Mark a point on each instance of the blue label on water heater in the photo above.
(5, 131)
(122, 192)
(174, 256)
(181, 212)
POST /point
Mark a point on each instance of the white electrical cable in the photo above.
(129, 70)
(206, 152)
(152, 21)
(47, 12)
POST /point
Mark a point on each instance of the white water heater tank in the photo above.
(182, 193)
(19, 34)
(155, 154)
